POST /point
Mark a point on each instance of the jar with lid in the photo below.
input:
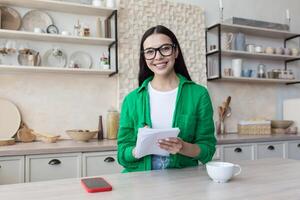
(261, 71)
(112, 121)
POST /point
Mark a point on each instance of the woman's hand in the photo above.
(173, 145)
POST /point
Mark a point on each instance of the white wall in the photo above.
(252, 100)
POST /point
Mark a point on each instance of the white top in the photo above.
(162, 106)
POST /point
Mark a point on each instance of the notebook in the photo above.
(147, 141)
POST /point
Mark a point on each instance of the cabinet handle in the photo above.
(271, 147)
(0, 166)
(238, 150)
(109, 159)
(298, 145)
(54, 162)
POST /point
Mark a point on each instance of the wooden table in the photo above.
(260, 179)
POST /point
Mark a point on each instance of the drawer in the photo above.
(98, 163)
(53, 166)
(294, 150)
(270, 150)
(11, 170)
(238, 152)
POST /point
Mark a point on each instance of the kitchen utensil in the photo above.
(281, 123)
(269, 50)
(46, 137)
(81, 59)
(258, 49)
(55, 57)
(291, 111)
(250, 48)
(29, 58)
(10, 119)
(261, 71)
(81, 135)
(9, 141)
(227, 41)
(10, 18)
(295, 51)
(240, 42)
(36, 19)
(237, 67)
(112, 120)
(279, 51)
(24, 134)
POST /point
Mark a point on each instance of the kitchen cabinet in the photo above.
(216, 55)
(52, 166)
(64, 7)
(294, 150)
(11, 169)
(237, 152)
(98, 163)
(270, 150)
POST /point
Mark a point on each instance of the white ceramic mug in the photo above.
(237, 67)
(221, 172)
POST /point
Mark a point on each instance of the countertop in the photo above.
(259, 180)
(71, 146)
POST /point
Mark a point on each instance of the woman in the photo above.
(166, 98)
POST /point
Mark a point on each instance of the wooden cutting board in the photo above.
(10, 119)
(291, 111)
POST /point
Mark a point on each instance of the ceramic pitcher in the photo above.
(240, 42)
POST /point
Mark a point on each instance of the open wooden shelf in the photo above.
(257, 80)
(42, 69)
(245, 54)
(264, 32)
(23, 35)
(61, 6)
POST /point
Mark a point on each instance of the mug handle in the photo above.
(239, 170)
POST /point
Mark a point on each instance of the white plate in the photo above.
(51, 59)
(82, 59)
(10, 119)
(36, 19)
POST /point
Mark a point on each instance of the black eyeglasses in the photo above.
(164, 50)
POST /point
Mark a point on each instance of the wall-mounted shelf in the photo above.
(110, 14)
(66, 7)
(260, 80)
(42, 69)
(262, 32)
(244, 54)
(23, 35)
(215, 72)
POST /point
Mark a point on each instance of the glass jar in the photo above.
(261, 71)
(112, 121)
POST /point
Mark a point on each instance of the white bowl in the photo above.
(81, 135)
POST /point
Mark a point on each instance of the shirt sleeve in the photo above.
(205, 132)
(126, 137)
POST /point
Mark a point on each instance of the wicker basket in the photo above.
(254, 127)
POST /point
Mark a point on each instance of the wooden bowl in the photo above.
(81, 135)
(282, 124)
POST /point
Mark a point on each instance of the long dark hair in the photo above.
(179, 65)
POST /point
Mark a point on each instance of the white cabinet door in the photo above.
(98, 163)
(11, 170)
(270, 150)
(237, 152)
(53, 166)
(294, 150)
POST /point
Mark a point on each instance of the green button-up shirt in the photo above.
(193, 115)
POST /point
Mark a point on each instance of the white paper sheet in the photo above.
(147, 141)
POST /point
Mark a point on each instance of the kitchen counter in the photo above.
(260, 180)
(233, 138)
(61, 146)
(71, 146)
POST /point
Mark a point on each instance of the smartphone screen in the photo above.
(96, 184)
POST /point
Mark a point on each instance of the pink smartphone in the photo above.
(96, 184)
